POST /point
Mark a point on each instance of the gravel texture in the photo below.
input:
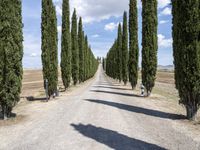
(98, 115)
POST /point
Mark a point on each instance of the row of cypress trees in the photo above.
(124, 61)
(117, 57)
(78, 63)
(82, 67)
(77, 60)
(186, 50)
(11, 53)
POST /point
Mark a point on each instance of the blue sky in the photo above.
(101, 18)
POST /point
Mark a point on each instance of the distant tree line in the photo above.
(186, 50)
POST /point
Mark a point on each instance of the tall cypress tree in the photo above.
(65, 45)
(125, 50)
(49, 45)
(86, 57)
(112, 64)
(133, 43)
(75, 52)
(11, 53)
(149, 44)
(186, 48)
(81, 50)
(103, 63)
(119, 52)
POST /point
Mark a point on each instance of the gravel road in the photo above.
(98, 115)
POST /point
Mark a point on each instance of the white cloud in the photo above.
(33, 55)
(59, 28)
(163, 3)
(163, 21)
(163, 41)
(111, 26)
(166, 11)
(59, 10)
(95, 35)
(55, 1)
(92, 11)
(97, 10)
(32, 44)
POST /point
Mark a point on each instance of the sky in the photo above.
(100, 18)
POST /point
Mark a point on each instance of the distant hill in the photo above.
(166, 68)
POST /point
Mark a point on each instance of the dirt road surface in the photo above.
(99, 115)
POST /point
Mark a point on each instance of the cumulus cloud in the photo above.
(32, 44)
(33, 55)
(163, 41)
(95, 35)
(111, 26)
(163, 21)
(97, 10)
(163, 3)
(166, 11)
(59, 28)
(59, 10)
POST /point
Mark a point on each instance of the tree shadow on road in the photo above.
(117, 93)
(12, 115)
(107, 84)
(110, 87)
(114, 139)
(140, 110)
(32, 98)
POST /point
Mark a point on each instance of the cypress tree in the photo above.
(133, 43)
(186, 49)
(89, 62)
(81, 51)
(54, 51)
(103, 63)
(75, 51)
(11, 53)
(65, 45)
(86, 57)
(119, 51)
(112, 61)
(125, 50)
(149, 44)
(49, 45)
(115, 60)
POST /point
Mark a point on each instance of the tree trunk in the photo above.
(5, 114)
(9, 110)
(191, 112)
(148, 93)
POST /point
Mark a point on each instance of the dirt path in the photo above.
(99, 115)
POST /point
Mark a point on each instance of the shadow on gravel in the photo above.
(107, 84)
(12, 115)
(117, 93)
(114, 139)
(110, 87)
(104, 84)
(150, 112)
(31, 98)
